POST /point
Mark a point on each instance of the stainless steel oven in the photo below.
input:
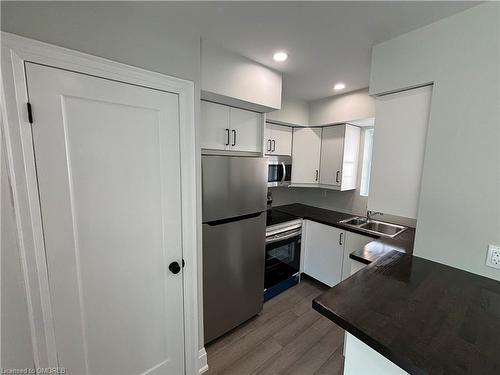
(282, 263)
(279, 170)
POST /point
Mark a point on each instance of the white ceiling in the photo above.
(327, 42)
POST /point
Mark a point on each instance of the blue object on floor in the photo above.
(280, 287)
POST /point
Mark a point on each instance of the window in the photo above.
(367, 162)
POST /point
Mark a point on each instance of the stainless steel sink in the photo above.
(379, 228)
(354, 221)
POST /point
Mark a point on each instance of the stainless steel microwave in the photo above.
(279, 170)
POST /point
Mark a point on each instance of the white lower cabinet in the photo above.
(323, 252)
(353, 242)
(361, 359)
(356, 266)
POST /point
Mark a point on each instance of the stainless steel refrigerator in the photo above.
(234, 231)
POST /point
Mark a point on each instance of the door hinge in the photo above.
(30, 113)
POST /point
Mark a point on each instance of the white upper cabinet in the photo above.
(215, 127)
(246, 130)
(230, 129)
(332, 148)
(278, 140)
(339, 156)
(306, 155)
(398, 151)
(326, 157)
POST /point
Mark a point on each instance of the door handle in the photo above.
(317, 173)
(340, 238)
(227, 139)
(269, 145)
(174, 267)
(284, 172)
(337, 176)
(274, 145)
(234, 137)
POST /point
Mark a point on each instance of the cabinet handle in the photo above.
(274, 145)
(340, 238)
(269, 145)
(337, 176)
(227, 139)
(317, 173)
(234, 137)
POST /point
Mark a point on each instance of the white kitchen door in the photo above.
(108, 167)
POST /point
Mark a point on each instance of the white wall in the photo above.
(147, 35)
(352, 106)
(459, 211)
(229, 78)
(398, 151)
(17, 349)
(293, 112)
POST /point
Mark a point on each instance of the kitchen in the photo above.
(287, 222)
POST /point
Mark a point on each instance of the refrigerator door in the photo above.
(233, 186)
(233, 273)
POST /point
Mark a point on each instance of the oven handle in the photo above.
(283, 236)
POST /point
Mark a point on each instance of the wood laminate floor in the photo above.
(288, 337)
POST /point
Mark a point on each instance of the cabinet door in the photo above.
(306, 155)
(350, 157)
(282, 140)
(268, 136)
(246, 130)
(353, 242)
(110, 205)
(332, 148)
(356, 266)
(215, 127)
(324, 251)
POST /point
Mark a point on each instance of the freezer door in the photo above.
(233, 273)
(233, 186)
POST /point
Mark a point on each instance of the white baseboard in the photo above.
(202, 361)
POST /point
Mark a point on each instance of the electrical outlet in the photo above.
(493, 259)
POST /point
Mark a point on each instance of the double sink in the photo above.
(379, 228)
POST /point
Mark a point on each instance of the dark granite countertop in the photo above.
(381, 246)
(426, 317)
(369, 253)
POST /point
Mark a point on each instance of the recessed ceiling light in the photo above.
(339, 86)
(280, 56)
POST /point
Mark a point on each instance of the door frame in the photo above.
(16, 129)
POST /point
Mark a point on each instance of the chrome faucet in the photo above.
(370, 214)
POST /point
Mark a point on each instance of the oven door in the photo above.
(282, 256)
